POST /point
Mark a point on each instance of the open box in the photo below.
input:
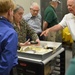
(39, 52)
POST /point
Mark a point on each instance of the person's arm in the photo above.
(26, 43)
(9, 54)
(31, 32)
(48, 18)
(52, 29)
(45, 24)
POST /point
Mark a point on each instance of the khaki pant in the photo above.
(51, 37)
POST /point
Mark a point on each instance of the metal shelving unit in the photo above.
(36, 67)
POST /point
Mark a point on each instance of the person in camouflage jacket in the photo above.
(22, 27)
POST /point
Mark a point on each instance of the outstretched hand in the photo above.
(45, 33)
(26, 43)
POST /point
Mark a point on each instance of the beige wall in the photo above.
(26, 4)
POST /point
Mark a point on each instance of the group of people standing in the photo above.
(17, 30)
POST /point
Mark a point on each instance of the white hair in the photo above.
(34, 4)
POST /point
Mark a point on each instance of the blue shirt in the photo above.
(34, 22)
(8, 46)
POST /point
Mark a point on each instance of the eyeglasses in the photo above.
(34, 10)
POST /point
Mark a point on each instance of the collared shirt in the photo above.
(25, 31)
(34, 22)
(8, 46)
(50, 16)
(69, 21)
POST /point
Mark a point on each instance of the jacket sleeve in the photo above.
(31, 32)
(8, 56)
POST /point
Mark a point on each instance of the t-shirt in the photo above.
(50, 16)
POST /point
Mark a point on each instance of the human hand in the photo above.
(37, 40)
(26, 43)
(45, 33)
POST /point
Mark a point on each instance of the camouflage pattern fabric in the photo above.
(25, 31)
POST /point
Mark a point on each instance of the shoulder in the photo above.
(23, 22)
(10, 32)
(39, 16)
(48, 7)
(27, 16)
(69, 15)
(49, 10)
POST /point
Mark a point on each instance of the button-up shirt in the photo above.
(34, 22)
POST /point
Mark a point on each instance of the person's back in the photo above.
(50, 12)
(50, 19)
(8, 38)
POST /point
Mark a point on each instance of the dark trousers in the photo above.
(13, 71)
(40, 37)
(73, 49)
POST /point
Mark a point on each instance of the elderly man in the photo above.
(69, 21)
(50, 19)
(34, 19)
(8, 38)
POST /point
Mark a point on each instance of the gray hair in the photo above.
(34, 4)
(17, 8)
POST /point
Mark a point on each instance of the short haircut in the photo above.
(17, 8)
(34, 4)
(5, 5)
